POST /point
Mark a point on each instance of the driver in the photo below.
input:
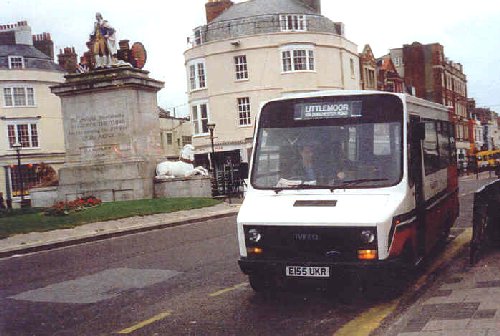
(306, 168)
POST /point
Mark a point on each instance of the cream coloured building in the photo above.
(29, 113)
(175, 133)
(254, 51)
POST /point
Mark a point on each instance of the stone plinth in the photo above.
(195, 186)
(43, 197)
(111, 132)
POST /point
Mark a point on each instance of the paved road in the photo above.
(175, 281)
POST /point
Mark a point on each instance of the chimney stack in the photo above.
(67, 59)
(214, 8)
(44, 43)
(314, 5)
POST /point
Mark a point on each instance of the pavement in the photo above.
(456, 299)
(40, 241)
(464, 300)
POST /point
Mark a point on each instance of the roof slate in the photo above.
(263, 7)
(34, 58)
(22, 50)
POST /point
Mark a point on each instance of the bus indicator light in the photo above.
(254, 250)
(367, 254)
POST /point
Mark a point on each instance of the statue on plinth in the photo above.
(104, 43)
(105, 51)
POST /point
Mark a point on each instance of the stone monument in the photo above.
(112, 134)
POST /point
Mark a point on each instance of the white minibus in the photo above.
(346, 180)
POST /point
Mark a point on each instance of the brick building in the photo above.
(430, 75)
(368, 69)
(388, 78)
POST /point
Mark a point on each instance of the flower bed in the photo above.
(64, 208)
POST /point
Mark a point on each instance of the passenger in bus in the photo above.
(337, 163)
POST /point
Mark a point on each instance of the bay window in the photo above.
(18, 96)
(23, 132)
(293, 22)
(197, 74)
(199, 114)
(297, 58)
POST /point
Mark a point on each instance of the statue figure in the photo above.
(183, 168)
(104, 43)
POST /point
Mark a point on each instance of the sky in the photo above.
(469, 32)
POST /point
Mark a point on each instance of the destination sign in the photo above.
(324, 110)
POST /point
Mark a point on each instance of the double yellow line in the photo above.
(142, 324)
(367, 322)
(167, 313)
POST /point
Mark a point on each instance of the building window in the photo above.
(169, 138)
(186, 140)
(353, 71)
(197, 75)
(18, 96)
(30, 178)
(240, 63)
(200, 118)
(298, 59)
(244, 111)
(293, 22)
(16, 62)
(397, 61)
(369, 78)
(24, 133)
(198, 36)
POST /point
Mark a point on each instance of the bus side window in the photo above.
(431, 151)
(416, 133)
(444, 144)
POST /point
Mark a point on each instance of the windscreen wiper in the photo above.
(351, 183)
(301, 186)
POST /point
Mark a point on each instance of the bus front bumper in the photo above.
(278, 268)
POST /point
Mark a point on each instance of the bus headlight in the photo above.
(254, 236)
(367, 236)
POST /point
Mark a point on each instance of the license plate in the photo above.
(308, 271)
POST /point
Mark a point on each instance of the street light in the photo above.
(211, 127)
(17, 147)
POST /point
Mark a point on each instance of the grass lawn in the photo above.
(33, 220)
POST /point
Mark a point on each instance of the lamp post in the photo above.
(17, 147)
(211, 127)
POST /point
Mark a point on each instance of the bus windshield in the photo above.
(329, 142)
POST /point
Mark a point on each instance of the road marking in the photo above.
(451, 251)
(97, 287)
(368, 321)
(223, 291)
(142, 324)
(365, 323)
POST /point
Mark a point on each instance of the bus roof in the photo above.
(418, 102)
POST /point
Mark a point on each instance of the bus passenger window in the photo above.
(431, 153)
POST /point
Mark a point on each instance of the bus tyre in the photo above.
(260, 283)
